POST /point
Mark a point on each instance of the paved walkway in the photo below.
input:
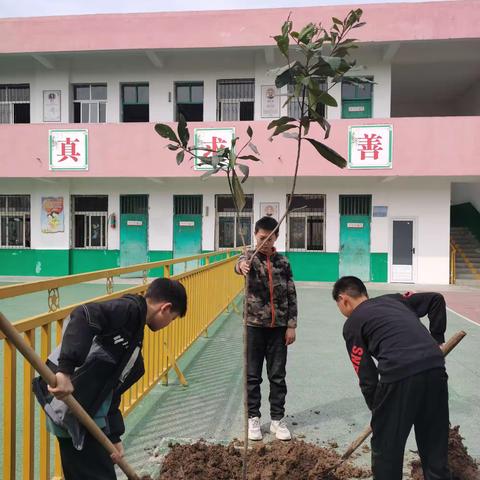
(324, 401)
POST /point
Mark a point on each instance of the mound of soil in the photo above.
(295, 460)
(462, 465)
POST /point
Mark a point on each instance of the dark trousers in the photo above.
(93, 462)
(266, 343)
(420, 401)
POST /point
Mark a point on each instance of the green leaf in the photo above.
(282, 44)
(305, 122)
(166, 132)
(307, 32)
(327, 99)
(182, 129)
(253, 148)
(250, 131)
(245, 170)
(210, 173)
(287, 27)
(172, 147)
(358, 25)
(280, 121)
(282, 128)
(180, 157)
(249, 157)
(288, 75)
(328, 153)
(291, 135)
(238, 195)
(336, 20)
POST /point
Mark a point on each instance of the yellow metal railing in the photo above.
(211, 288)
(453, 263)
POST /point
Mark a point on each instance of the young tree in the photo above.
(316, 59)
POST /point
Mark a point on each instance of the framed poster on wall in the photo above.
(269, 209)
(270, 101)
(51, 105)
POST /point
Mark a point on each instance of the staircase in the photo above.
(467, 257)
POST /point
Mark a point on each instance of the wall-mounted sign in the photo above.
(370, 146)
(208, 141)
(52, 215)
(269, 209)
(380, 211)
(68, 149)
(51, 105)
(134, 223)
(270, 101)
(186, 223)
(354, 225)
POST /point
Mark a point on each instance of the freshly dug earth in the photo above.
(462, 465)
(295, 460)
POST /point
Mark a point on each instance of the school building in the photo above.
(86, 183)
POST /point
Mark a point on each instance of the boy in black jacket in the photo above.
(409, 384)
(99, 359)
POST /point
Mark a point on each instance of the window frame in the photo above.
(25, 219)
(235, 101)
(233, 214)
(190, 85)
(90, 102)
(306, 216)
(12, 103)
(87, 225)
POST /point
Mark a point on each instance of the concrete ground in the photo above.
(324, 402)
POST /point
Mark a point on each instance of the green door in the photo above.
(187, 229)
(187, 239)
(354, 255)
(133, 231)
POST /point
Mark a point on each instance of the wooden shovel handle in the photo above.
(83, 417)
(446, 349)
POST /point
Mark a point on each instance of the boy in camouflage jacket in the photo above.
(271, 323)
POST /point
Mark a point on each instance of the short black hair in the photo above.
(351, 286)
(269, 224)
(167, 290)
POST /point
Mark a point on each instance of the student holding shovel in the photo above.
(408, 387)
(98, 359)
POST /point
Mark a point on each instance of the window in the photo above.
(294, 105)
(90, 103)
(357, 99)
(14, 104)
(235, 100)
(229, 232)
(355, 204)
(15, 221)
(189, 100)
(90, 221)
(135, 103)
(306, 227)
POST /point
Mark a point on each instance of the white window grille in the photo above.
(15, 221)
(90, 215)
(14, 104)
(306, 225)
(90, 103)
(235, 100)
(229, 229)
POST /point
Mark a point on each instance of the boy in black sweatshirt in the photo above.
(408, 386)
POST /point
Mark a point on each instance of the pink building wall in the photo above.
(232, 28)
(435, 146)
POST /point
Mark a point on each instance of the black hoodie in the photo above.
(388, 329)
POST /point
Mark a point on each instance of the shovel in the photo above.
(446, 349)
(31, 356)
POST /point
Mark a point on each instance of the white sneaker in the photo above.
(254, 431)
(279, 428)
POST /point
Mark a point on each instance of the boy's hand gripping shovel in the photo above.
(32, 357)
